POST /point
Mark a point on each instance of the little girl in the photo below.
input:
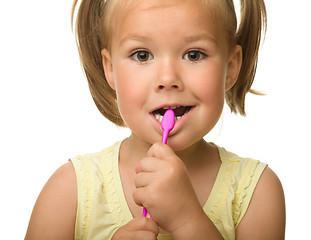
(142, 57)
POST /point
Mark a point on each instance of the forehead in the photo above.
(121, 8)
(134, 12)
(117, 10)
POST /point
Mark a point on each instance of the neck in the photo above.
(193, 153)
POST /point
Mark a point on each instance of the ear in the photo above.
(234, 67)
(108, 68)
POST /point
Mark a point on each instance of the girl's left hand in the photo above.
(163, 186)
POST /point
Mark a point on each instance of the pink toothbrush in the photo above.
(167, 124)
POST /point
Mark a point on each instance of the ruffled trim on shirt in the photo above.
(113, 200)
(246, 188)
(242, 193)
(85, 196)
(217, 205)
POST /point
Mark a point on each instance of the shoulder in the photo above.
(265, 216)
(54, 214)
(97, 157)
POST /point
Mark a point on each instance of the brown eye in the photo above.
(142, 56)
(194, 56)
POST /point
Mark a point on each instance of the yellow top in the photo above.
(102, 207)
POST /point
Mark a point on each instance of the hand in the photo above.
(164, 188)
(140, 228)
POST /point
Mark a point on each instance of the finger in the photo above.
(160, 150)
(137, 169)
(143, 179)
(133, 235)
(149, 164)
(148, 224)
(144, 235)
(143, 224)
(140, 196)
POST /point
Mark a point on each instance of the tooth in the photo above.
(165, 108)
(178, 117)
(160, 119)
(173, 107)
(157, 116)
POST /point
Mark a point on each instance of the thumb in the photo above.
(137, 169)
(160, 150)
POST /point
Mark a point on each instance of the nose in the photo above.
(168, 77)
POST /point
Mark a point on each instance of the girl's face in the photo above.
(173, 56)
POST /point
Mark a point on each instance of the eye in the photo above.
(194, 56)
(142, 56)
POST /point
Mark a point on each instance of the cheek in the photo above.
(210, 85)
(131, 92)
(127, 103)
(126, 82)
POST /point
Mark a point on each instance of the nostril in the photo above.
(174, 86)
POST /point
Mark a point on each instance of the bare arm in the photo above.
(54, 214)
(265, 217)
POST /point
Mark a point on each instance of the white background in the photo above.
(47, 114)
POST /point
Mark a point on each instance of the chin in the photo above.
(179, 144)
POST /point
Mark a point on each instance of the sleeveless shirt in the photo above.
(102, 207)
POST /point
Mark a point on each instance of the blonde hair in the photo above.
(94, 23)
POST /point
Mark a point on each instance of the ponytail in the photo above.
(248, 36)
(90, 42)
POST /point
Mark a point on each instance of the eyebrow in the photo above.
(187, 39)
(201, 37)
(134, 37)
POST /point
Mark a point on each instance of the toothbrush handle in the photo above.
(145, 212)
(165, 136)
(164, 140)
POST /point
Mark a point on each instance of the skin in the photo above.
(166, 56)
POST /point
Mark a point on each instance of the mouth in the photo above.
(179, 111)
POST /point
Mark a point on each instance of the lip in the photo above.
(178, 124)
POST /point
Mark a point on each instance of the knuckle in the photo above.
(143, 222)
(155, 199)
(149, 236)
(159, 145)
(136, 197)
(120, 234)
(137, 179)
(149, 226)
(155, 148)
(171, 170)
(144, 164)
